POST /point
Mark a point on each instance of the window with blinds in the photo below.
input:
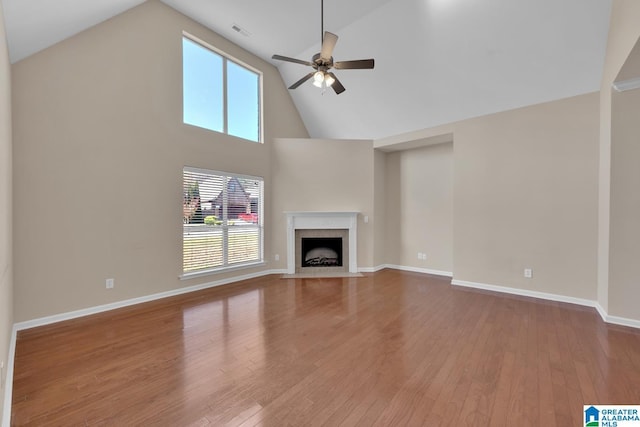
(222, 220)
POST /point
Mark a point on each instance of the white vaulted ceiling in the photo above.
(437, 61)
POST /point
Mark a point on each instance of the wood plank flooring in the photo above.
(388, 349)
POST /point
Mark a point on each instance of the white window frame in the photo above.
(226, 267)
(225, 58)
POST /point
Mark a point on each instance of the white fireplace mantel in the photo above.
(322, 220)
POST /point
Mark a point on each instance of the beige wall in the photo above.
(631, 68)
(6, 279)
(323, 175)
(624, 292)
(525, 196)
(99, 151)
(420, 207)
(379, 219)
(624, 31)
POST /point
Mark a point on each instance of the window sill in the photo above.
(210, 272)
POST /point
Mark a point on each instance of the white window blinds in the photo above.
(222, 220)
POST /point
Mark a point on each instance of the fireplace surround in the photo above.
(322, 225)
(329, 243)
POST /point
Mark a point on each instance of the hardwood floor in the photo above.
(389, 349)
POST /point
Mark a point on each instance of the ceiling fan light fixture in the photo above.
(318, 77)
(328, 80)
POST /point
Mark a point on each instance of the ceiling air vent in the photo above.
(237, 28)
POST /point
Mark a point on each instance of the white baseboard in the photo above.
(525, 293)
(42, 321)
(419, 270)
(552, 297)
(372, 269)
(601, 311)
(616, 320)
(133, 301)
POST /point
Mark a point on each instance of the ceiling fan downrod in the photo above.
(321, 21)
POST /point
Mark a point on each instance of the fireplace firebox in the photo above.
(321, 252)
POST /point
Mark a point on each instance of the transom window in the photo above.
(222, 220)
(220, 93)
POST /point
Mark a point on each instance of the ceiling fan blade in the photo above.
(360, 64)
(302, 80)
(294, 60)
(328, 43)
(337, 86)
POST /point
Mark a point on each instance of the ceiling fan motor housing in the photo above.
(318, 61)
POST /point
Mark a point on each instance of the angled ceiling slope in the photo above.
(440, 61)
(437, 61)
(34, 25)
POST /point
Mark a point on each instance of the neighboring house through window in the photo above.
(222, 220)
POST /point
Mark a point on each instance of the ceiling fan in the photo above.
(322, 62)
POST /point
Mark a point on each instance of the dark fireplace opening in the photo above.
(321, 252)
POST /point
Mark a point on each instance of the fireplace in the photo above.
(330, 242)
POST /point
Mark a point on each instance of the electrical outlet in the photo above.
(110, 283)
(419, 255)
(277, 257)
(528, 273)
